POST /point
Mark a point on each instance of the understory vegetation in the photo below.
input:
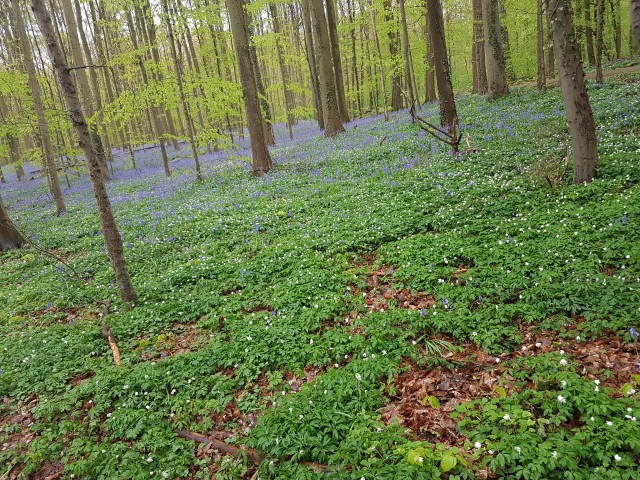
(374, 308)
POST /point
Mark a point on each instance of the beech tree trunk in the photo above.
(328, 91)
(541, 77)
(332, 25)
(407, 55)
(574, 92)
(43, 127)
(635, 26)
(288, 100)
(380, 66)
(478, 58)
(10, 237)
(448, 115)
(241, 41)
(396, 80)
(495, 58)
(599, 40)
(588, 32)
(67, 84)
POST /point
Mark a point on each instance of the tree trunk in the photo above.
(241, 41)
(332, 25)
(588, 32)
(448, 115)
(406, 50)
(332, 120)
(551, 61)
(83, 82)
(2, 179)
(109, 228)
(635, 26)
(479, 67)
(10, 237)
(288, 100)
(616, 26)
(541, 78)
(574, 92)
(382, 79)
(311, 61)
(185, 107)
(43, 127)
(599, 39)
(495, 59)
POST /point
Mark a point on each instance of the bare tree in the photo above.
(67, 84)
(495, 58)
(241, 40)
(10, 237)
(574, 92)
(43, 126)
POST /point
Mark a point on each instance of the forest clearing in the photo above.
(298, 282)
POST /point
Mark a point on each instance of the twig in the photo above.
(115, 351)
(80, 67)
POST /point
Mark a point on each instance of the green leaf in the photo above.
(500, 391)
(431, 400)
(448, 462)
(414, 456)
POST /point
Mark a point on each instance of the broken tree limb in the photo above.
(106, 333)
(252, 455)
(451, 138)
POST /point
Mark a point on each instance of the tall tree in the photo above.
(599, 39)
(43, 127)
(288, 98)
(330, 108)
(574, 92)
(407, 52)
(10, 237)
(67, 84)
(380, 66)
(588, 32)
(310, 49)
(495, 58)
(332, 25)
(241, 39)
(635, 26)
(396, 81)
(448, 115)
(541, 77)
(478, 58)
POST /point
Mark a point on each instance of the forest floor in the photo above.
(374, 308)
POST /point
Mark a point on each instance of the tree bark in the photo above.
(396, 80)
(288, 100)
(599, 40)
(635, 26)
(43, 126)
(241, 41)
(479, 66)
(330, 108)
(311, 61)
(380, 66)
(551, 61)
(406, 50)
(588, 32)
(448, 115)
(109, 228)
(574, 92)
(332, 25)
(495, 58)
(541, 77)
(10, 237)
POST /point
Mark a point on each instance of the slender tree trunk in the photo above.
(599, 40)
(356, 80)
(495, 58)
(332, 25)
(43, 126)
(541, 78)
(407, 56)
(396, 80)
(2, 179)
(382, 79)
(480, 67)
(635, 26)
(68, 86)
(448, 114)
(588, 32)
(616, 26)
(10, 237)
(311, 60)
(241, 41)
(551, 61)
(185, 107)
(574, 92)
(288, 104)
(332, 120)
(83, 82)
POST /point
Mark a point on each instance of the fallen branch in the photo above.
(106, 333)
(253, 456)
(451, 138)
